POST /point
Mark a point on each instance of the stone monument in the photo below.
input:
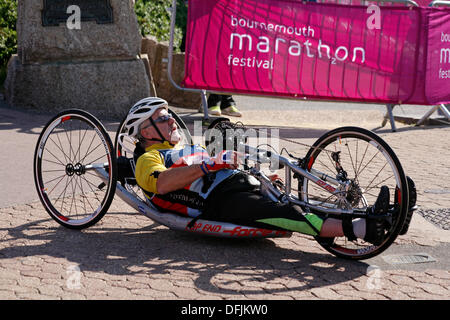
(81, 54)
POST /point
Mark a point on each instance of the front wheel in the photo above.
(75, 169)
(363, 162)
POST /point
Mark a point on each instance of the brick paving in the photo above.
(127, 256)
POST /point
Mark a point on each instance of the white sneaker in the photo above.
(232, 111)
(214, 111)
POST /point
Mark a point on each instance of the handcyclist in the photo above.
(188, 182)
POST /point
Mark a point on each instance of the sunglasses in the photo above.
(163, 118)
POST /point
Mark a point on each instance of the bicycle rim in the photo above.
(72, 193)
(369, 163)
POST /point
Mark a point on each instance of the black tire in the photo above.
(68, 144)
(374, 150)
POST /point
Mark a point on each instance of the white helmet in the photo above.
(142, 111)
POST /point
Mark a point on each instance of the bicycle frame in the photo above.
(223, 229)
(319, 178)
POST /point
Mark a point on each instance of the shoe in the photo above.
(226, 101)
(228, 106)
(232, 111)
(214, 111)
(375, 228)
(411, 205)
(214, 102)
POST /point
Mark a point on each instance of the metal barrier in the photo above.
(389, 114)
(440, 108)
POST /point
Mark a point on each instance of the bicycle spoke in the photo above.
(362, 160)
(359, 172)
(47, 182)
(367, 188)
(331, 171)
(62, 177)
(59, 164)
(331, 160)
(89, 147)
(90, 152)
(55, 157)
(70, 146)
(64, 154)
(85, 198)
(81, 142)
(90, 184)
(351, 159)
(61, 194)
(93, 161)
(62, 149)
(376, 176)
(56, 170)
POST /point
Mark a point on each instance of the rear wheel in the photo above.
(364, 163)
(75, 169)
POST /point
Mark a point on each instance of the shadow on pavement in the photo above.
(32, 121)
(216, 265)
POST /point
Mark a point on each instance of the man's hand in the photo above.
(226, 159)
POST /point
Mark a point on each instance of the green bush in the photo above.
(8, 35)
(154, 19)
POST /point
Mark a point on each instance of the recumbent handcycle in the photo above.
(78, 170)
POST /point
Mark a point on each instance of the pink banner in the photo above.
(317, 51)
(438, 58)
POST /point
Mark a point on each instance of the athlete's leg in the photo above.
(253, 209)
(250, 208)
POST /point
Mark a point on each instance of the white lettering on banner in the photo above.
(444, 74)
(250, 62)
(245, 42)
(445, 37)
(241, 41)
(445, 55)
(250, 24)
(374, 21)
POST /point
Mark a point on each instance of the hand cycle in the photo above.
(78, 170)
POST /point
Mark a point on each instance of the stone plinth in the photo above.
(106, 88)
(97, 67)
(38, 43)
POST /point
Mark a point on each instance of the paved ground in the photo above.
(126, 256)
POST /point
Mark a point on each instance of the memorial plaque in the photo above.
(55, 11)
